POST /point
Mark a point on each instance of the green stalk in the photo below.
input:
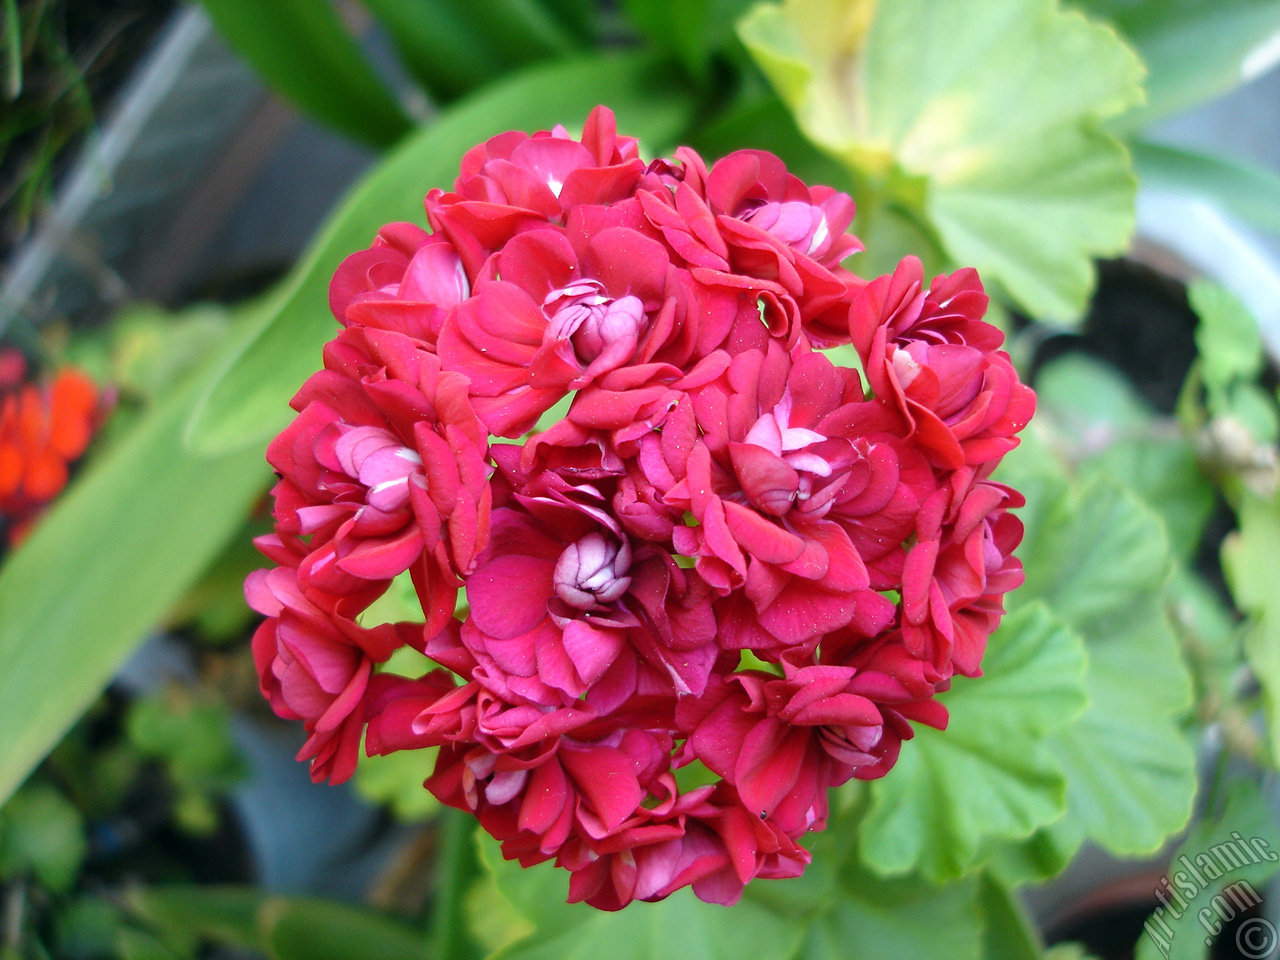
(456, 863)
(12, 50)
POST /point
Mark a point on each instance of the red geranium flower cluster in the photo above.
(721, 575)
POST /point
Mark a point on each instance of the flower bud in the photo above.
(801, 226)
(381, 464)
(592, 572)
(584, 315)
(607, 323)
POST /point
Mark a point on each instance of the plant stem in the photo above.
(12, 50)
(448, 938)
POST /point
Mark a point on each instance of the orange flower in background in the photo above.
(44, 428)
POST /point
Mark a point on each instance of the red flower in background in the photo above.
(712, 483)
(44, 429)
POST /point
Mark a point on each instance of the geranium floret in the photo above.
(715, 483)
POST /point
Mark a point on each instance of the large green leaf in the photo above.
(121, 546)
(302, 50)
(1100, 559)
(1129, 764)
(1092, 551)
(850, 913)
(680, 926)
(988, 775)
(1194, 49)
(1231, 855)
(249, 402)
(981, 116)
(873, 918)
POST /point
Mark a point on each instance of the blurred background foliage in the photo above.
(1006, 134)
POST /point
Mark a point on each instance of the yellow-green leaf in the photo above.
(980, 117)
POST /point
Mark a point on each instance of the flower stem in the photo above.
(447, 937)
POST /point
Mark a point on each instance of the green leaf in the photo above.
(1093, 550)
(227, 915)
(1084, 396)
(1100, 559)
(153, 350)
(250, 400)
(981, 116)
(1129, 765)
(1252, 406)
(521, 30)
(308, 929)
(1219, 870)
(396, 780)
(1248, 561)
(140, 945)
(286, 928)
(1209, 633)
(190, 730)
(1195, 50)
(86, 927)
(819, 888)
(676, 27)
(1249, 192)
(579, 17)
(438, 46)
(215, 605)
(680, 926)
(689, 31)
(122, 544)
(1095, 419)
(491, 919)
(302, 49)
(1067, 951)
(892, 230)
(1227, 337)
(907, 919)
(988, 774)
(1165, 472)
(399, 603)
(1231, 359)
(41, 832)
(1007, 932)
(455, 46)
(1248, 555)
